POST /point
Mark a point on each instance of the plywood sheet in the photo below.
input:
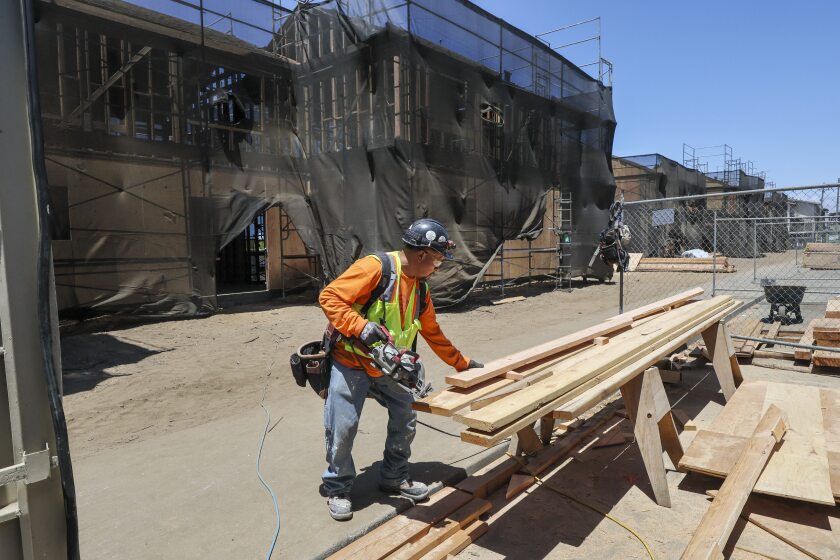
(800, 468)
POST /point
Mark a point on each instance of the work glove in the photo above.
(373, 334)
(475, 365)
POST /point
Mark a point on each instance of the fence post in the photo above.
(714, 254)
(755, 265)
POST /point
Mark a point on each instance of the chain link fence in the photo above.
(776, 250)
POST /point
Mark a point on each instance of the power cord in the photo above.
(262, 480)
(265, 484)
(618, 522)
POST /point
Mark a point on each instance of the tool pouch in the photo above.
(311, 364)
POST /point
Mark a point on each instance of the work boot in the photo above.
(341, 508)
(415, 491)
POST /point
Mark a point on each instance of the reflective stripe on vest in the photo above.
(386, 310)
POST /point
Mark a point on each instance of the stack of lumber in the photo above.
(570, 378)
(717, 264)
(822, 256)
(479, 387)
(444, 525)
(805, 467)
(826, 332)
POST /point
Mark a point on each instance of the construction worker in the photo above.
(402, 310)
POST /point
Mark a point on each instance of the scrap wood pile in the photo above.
(778, 439)
(718, 263)
(822, 256)
(562, 378)
(823, 332)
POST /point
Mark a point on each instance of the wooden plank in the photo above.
(830, 401)
(744, 328)
(480, 438)
(392, 534)
(576, 406)
(808, 340)
(601, 340)
(824, 358)
(514, 387)
(826, 329)
(829, 343)
(786, 365)
(625, 349)
(718, 348)
(717, 523)
(459, 519)
(832, 308)
(822, 247)
(457, 542)
(773, 331)
(661, 305)
(638, 398)
(509, 300)
(812, 530)
(517, 484)
(481, 485)
(801, 469)
(821, 261)
(748, 347)
(475, 376)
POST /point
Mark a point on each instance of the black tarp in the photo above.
(357, 117)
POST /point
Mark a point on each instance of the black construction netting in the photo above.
(168, 129)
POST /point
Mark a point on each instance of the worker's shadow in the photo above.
(86, 359)
(366, 490)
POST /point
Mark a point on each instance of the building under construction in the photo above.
(188, 148)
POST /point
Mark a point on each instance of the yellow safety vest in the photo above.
(386, 310)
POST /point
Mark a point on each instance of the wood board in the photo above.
(832, 308)
(807, 340)
(495, 368)
(813, 530)
(488, 439)
(625, 349)
(826, 329)
(717, 523)
(800, 469)
(395, 532)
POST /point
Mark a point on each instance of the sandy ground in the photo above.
(165, 423)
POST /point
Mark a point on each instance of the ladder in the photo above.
(563, 230)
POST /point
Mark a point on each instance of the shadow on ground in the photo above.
(85, 359)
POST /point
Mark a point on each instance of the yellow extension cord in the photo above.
(618, 522)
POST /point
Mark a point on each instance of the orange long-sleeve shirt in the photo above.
(354, 286)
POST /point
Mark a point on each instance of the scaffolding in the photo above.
(168, 133)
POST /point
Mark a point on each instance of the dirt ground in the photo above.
(136, 383)
(165, 421)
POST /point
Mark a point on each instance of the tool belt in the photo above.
(312, 364)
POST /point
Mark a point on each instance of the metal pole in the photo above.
(739, 193)
(620, 289)
(755, 265)
(502, 273)
(714, 254)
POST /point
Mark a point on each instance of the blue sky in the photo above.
(763, 77)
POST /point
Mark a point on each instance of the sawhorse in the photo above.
(648, 409)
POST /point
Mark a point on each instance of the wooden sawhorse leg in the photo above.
(649, 410)
(724, 361)
(524, 442)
